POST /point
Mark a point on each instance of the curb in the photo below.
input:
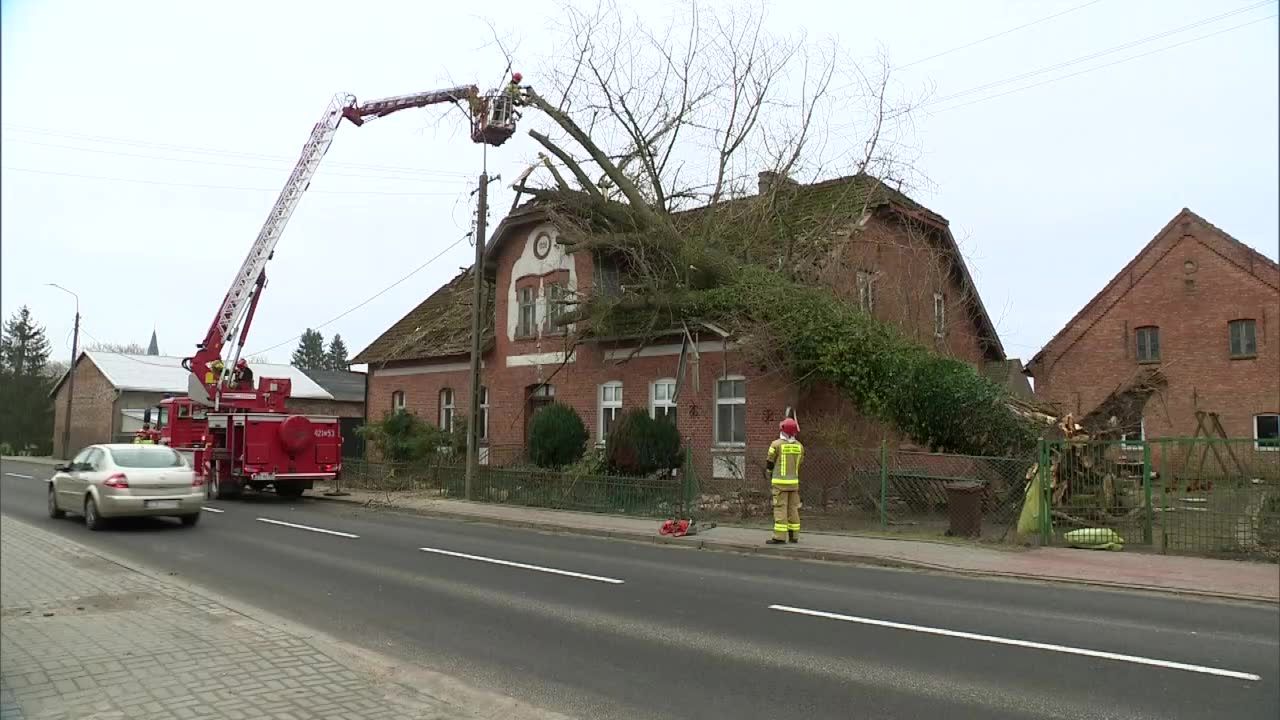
(696, 543)
(46, 461)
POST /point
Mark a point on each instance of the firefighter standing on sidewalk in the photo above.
(785, 456)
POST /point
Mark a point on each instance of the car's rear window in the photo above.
(153, 456)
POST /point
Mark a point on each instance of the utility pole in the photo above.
(477, 325)
(71, 375)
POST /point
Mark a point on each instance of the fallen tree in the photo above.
(745, 264)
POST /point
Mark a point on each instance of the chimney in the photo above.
(768, 179)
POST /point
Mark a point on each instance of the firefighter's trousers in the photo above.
(786, 511)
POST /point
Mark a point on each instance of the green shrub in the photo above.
(403, 437)
(557, 436)
(640, 445)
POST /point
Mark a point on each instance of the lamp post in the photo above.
(71, 374)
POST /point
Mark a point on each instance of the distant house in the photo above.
(348, 390)
(893, 258)
(115, 393)
(1198, 305)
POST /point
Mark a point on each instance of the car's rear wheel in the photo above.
(189, 520)
(54, 512)
(92, 519)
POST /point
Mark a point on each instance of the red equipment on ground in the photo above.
(238, 434)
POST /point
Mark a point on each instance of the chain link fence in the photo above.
(1214, 497)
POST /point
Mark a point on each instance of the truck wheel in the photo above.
(54, 512)
(289, 491)
(228, 491)
(92, 519)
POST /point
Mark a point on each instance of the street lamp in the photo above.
(71, 374)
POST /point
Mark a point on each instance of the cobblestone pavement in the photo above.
(82, 637)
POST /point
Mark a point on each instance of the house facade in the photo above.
(892, 257)
(115, 393)
(1195, 303)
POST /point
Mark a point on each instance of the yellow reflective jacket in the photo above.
(786, 457)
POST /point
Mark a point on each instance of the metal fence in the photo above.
(882, 490)
(1189, 496)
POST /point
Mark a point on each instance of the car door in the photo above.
(95, 470)
(67, 484)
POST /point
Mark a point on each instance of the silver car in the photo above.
(113, 481)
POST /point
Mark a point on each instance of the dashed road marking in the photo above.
(525, 566)
(307, 527)
(17, 475)
(1022, 643)
(206, 508)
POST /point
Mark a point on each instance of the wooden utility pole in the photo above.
(477, 327)
(71, 386)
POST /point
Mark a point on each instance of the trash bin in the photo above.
(964, 508)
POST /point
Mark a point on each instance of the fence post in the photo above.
(1149, 519)
(884, 482)
(1046, 494)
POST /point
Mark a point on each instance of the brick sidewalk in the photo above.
(83, 637)
(1227, 579)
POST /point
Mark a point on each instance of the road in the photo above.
(610, 629)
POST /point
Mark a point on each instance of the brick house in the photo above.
(115, 393)
(895, 258)
(1197, 304)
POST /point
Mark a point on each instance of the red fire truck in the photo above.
(239, 434)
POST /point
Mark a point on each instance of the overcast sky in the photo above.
(144, 142)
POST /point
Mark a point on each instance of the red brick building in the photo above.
(895, 258)
(1199, 305)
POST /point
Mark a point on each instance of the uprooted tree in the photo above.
(656, 133)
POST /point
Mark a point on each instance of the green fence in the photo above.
(1190, 496)
(517, 484)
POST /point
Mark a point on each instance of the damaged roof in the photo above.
(439, 327)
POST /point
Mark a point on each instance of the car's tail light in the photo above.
(197, 480)
(117, 481)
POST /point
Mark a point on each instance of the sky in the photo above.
(143, 144)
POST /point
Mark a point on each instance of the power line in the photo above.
(224, 187)
(1098, 54)
(227, 164)
(371, 298)
(1000, 34)
(1105, 65)
(214, 151)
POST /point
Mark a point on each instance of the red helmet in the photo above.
(789, 426)
(242, 363)
(516, 78)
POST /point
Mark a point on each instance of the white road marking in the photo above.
(1022, 643)
(206, 508)
(307, 527)
(24, 477)
(509, 563)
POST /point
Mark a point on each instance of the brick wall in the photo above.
(1190, 282)
(93, 409)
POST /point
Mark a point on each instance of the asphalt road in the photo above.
(610, 629)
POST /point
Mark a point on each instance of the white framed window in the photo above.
(1133, 441)
(555, 305)
(610, 406)
(527, 304)
(731, 411)
(397, 401)
(866, 291)
(939, 314)
(662, 400)
(446, 409)
(484, 413)
(1266, 431)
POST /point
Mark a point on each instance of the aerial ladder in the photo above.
(211, 383)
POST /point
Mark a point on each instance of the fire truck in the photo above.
(238, 434)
